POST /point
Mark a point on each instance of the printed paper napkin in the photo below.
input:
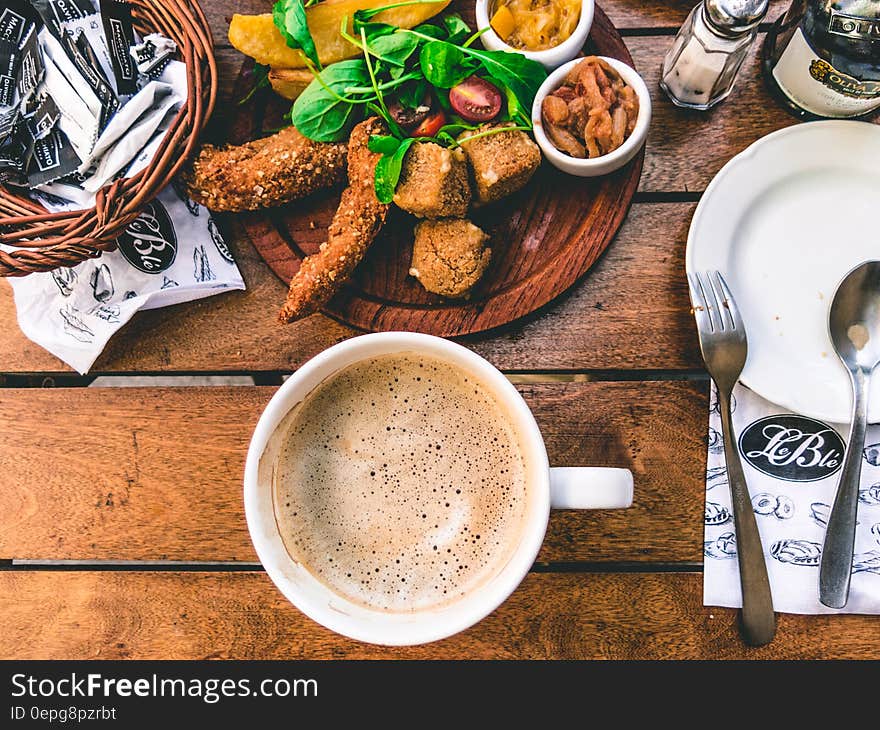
(792, 464)
(172, 253)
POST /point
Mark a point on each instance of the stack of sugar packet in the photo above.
(83, 102)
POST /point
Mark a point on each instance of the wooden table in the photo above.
(122, 531)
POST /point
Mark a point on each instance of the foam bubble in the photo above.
(401, 483)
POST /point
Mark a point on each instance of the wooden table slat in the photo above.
(156, 473)
(630, 312)
(159, 615)
(600, 323)
(685, 148)
(625, 14)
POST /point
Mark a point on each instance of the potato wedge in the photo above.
(256, 35)
(289, 82)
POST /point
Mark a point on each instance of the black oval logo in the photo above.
(149, 242)
(793, 448)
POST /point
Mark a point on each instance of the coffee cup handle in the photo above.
(590, 487)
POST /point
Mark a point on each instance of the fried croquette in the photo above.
(449, 256)
(433, 182)
(502, 162)
(357, 221)
(264, 173)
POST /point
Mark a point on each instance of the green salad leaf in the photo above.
(388, 169)
(289, 17)
(393, 49)
(261, 81)
(457, 30)
(373, 30)
(411, 94)
(326, 110)
(383, 144)
(431, 31)
(444, 64)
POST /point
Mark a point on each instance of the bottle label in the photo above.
(819, 88)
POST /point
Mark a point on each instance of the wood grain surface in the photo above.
(170, 615)
(685, 148)
(162, 476)
(656, 15)
(237, 331)
(154, 474)
(631, 311)
(543, 239)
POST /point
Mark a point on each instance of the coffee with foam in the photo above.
(401, 483)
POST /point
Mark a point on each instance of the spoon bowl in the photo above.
(854, 326)
(854, 321)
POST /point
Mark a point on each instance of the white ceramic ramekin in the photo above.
(613, 160)
(552, 57)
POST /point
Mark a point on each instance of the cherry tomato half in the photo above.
(431, 125)
(475, 99)
(409, 117)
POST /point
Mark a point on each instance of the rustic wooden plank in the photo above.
(142, 615)
(156, 473)
(625, 14)
(630, 311)
(237, 331)
(685, 148)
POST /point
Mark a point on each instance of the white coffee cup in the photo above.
(560, 488)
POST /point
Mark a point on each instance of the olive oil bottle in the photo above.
(821, 59)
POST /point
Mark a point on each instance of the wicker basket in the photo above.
(45, 240)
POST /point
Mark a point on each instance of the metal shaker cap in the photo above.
(734, 17)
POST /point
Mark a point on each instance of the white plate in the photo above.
(784, 221)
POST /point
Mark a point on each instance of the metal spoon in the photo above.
(854, 325)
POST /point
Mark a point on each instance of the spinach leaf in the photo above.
(388, 171)
(373, 30)
(412, 93)
(383, 144)
(457, 29)
(444, 64)
(325, 111)
(393, 49)
(289, 17)
(431, 30)
(445, 138)
(261, 81)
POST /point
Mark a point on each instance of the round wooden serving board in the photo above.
(543, 239)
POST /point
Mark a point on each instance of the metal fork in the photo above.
(724, 347)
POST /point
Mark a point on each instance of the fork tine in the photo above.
(698, 302)
(711, 302)
(730, 304)
(723, 312)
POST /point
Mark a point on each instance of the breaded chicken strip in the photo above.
(264, 173)
(357, 221)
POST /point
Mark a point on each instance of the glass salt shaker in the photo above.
(701, 67)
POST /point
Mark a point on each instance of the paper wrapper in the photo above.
(172, 253)
(792, 467)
